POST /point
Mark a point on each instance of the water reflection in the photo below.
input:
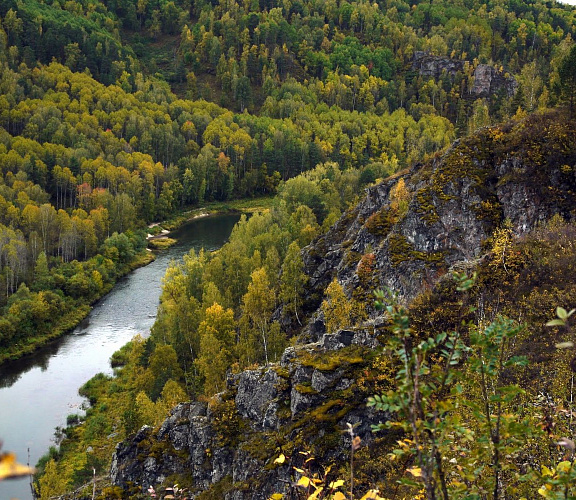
(11, 371)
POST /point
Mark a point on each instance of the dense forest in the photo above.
(116, 114)
(102, 129)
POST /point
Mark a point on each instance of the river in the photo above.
(38, 392)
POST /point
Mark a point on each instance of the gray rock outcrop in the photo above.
(455, 203)
(431, 66)
(235, 459)
(440, 219)
(488, 80)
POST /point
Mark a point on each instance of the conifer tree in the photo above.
(567, 72)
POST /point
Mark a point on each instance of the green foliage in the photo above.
(292, 281)
(80, 160)
(559, 481)
(420, 400)
(261, 339)
(465, 428)
(567, 73)
(163, 366)
(347, 356)
(337, 308)
(80, 36)
(227, 424)
(313, 102)
(161, 243)
(244, 55)
(51, 483)
(94, 388)
(213, 363)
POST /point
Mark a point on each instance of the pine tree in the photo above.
(567, 72)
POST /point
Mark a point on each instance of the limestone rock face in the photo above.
(487, 79)
(455, 203)
(433, 66)
(186, 432)
(256, 397)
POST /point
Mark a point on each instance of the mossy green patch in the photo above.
(305, 388)
(331, 411)
(112, 493)
(281, 372)
(489, 210)
(425, 206)
(401, 250)
(351, 258)
(380, 222)
(261, 445)
(331, 360)
(217, 490)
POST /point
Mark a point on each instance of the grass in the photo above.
(331, 360)
(161, 243)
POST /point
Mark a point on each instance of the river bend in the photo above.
(38, 392)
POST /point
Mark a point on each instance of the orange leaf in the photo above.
(10, 468)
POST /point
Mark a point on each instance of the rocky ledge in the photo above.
(226, 448)
(406, 234)
(409, 230)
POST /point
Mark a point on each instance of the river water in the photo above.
(38, 392)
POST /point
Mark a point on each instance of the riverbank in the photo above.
(159, 232)
(120, 414)
(71, 320)
(246, 206)
(158, 240)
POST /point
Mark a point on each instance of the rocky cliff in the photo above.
(522, 173)
(407, 233)
(226, 448)
(487, 79)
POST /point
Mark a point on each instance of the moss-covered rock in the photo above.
(522, 172)
(228, 447)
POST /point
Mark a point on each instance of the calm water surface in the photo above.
(38, 392)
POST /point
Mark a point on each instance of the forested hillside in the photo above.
(279, 57)
(81, 161)
(116, 114)
(98, 134)
(472, 245)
